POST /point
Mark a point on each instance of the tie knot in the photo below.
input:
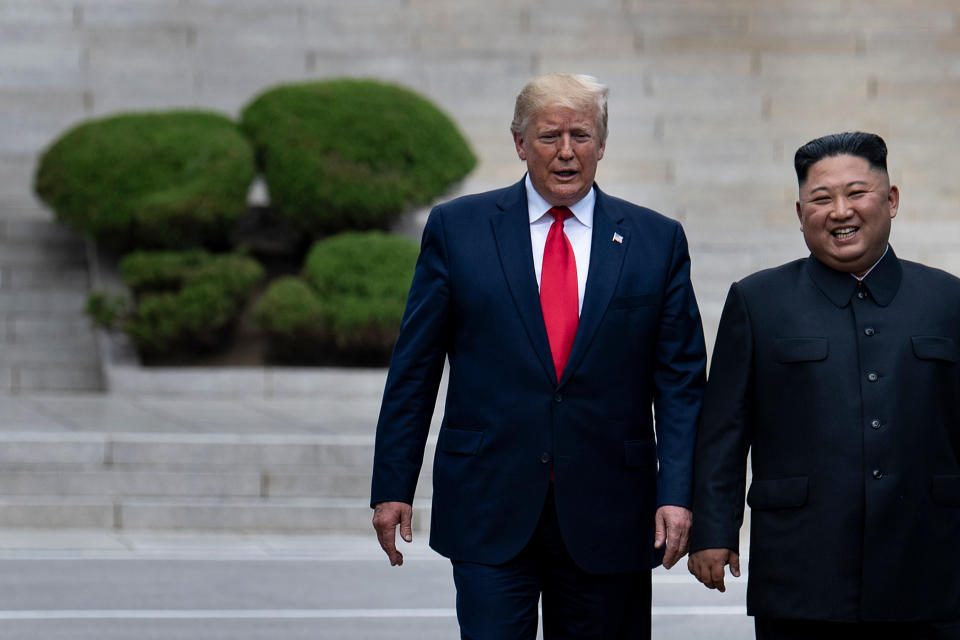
(560, 213)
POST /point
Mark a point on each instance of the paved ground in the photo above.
(80, 585)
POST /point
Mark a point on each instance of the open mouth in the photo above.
(844, 233)
(564, 174)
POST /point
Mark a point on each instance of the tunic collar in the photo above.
(881, 283)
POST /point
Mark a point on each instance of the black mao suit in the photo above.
(508, 423)
(848, 397)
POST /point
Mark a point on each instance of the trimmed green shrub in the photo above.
(185, 301)
(347, 307)
(352, 154)
(174, 179)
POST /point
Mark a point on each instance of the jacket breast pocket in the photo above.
(945, 490)
(788, 350)
(935, 348)
(632, 302)
(783, 493)
(464, 442)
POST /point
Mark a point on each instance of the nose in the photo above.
(841, 208)
(565, 150)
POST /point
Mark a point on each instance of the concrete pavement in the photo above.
(110, 585)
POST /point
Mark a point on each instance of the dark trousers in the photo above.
(777, 629)
(500, 602)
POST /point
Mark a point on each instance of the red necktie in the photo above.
(558, 290)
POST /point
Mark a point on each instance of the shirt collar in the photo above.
(881, 282)
(582, 210)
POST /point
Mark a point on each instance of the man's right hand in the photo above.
(386, 517)
(707, 565)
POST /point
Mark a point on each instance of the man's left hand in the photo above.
(673, 529)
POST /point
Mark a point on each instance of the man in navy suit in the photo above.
(565, 315)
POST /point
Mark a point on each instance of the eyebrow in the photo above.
(849, 184)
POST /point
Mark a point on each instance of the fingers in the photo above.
(716, 577)
(406, 528)
(660, 536)
(735, 564)
(672, 530)
(386, 517)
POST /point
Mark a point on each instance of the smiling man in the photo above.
(566, 316)
(839, 373)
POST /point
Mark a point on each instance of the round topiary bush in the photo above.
(352, 154)
(175, 179)
(184, 301)
(347, 307)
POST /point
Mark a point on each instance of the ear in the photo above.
(799, 214)
(518, 142)
(603, 146)
(893, 199)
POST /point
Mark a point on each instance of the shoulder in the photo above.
(930, 276)
(773, 277)
(631, 213)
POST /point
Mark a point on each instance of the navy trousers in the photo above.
(499, 602)
(776, 629)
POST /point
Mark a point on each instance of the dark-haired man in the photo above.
(840, 373)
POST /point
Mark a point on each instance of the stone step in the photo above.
(295, 515)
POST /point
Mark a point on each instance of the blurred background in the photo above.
(708, 102)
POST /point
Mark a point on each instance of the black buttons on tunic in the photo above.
(869, 331)
(877, 474)
(861, 294)
(875, 423)
(544, 457)
(872, 377)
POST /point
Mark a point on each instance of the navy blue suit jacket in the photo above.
(639, 345)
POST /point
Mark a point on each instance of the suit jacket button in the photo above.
(869, 331)
(544, 457)
(877, 474)
(861, 294)
(558, 397)
(872, 377)
(875, 423)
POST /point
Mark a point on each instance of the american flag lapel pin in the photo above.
(617, 238)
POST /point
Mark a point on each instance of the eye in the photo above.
(821, 200)
(548, 138)
(857, 194)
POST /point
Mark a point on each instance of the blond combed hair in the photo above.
(574, 91)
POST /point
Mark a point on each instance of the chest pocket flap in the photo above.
(800, 349)
(935, 348)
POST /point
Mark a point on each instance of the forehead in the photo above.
(558, 116)
(840, 170)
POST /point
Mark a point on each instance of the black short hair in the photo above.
(868, 146)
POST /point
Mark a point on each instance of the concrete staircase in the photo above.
(46, 342)
(257, 464)
(254, 483)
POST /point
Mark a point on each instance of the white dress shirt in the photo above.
(578, 229)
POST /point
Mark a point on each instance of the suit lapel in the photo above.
(511, 228)
(606, 259)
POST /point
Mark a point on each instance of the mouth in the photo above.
(844, 233)
(565, 175)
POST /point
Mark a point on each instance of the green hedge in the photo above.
(347, 307)
(175, 179)
(183, 301)
(352, 154)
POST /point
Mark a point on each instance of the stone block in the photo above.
(75, 377)
(295, 515)
(39, 301)
(242, 450)
(35, 448)
(108, 484)
(57, 513)
(37, 353)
